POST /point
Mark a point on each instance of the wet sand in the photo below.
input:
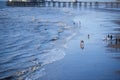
(116, 44)
(95, 61)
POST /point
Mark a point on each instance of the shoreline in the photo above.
(91, 63)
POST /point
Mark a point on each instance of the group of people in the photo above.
(78, 23)
(111, 38)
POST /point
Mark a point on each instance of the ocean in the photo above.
(31, 37)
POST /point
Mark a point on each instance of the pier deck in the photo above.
(63, 4)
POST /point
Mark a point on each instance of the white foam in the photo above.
(36, 74)
(52, 55)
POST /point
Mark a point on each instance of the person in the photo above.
(82, 44)
(111, 37)
(79, 23)
(108, 36)
(74, 23)
(116, 40)
(88, 36)
(119, 39)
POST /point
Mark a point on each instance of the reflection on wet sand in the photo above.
(114, 43)
(77, 24)
(117, 72)
(118, 58)
(113, 46)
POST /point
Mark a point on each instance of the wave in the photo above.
(32, 41)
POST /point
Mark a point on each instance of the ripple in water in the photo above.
(30, 39)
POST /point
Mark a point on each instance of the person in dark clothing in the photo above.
(108, 36)
(88, 36)
(116, 40)
(111, 37)
(119, 40)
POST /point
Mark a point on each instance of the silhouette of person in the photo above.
(88, 36)
(119, 40)
(79, 24)
(116, 40)
(111, 37)
(108, 36)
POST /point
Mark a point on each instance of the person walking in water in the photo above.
(82, 44)
(88, 36)
(111, 37)
(79, 24)
(108, 36)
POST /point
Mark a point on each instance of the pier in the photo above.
(63, 4)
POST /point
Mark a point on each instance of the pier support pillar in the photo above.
(69, 4)
(53, 4)
(90, 4)
(64, 4)
(59, 4)
(85, 4)
(80, 4)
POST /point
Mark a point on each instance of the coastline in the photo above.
(57, 55)
(93, 62)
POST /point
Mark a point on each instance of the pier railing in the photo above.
(63, 4)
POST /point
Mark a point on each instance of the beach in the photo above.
(44, 43)
(97, 61)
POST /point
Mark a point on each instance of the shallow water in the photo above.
(32, 37)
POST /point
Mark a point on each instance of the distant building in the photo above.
(35, 0)
(16, 0)
(28, 0)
